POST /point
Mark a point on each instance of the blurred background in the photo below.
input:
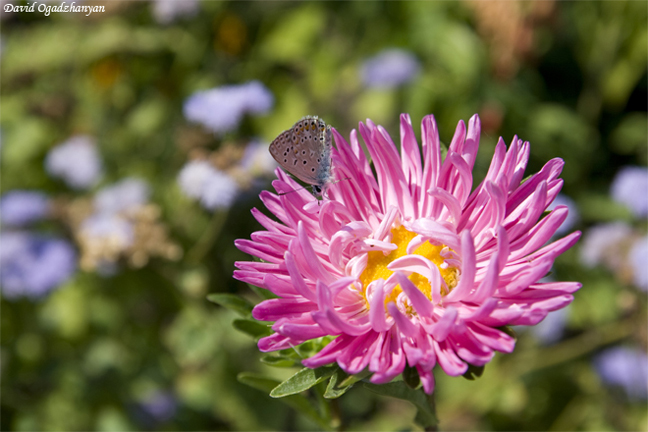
(134, 144)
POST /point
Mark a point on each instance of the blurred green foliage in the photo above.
(571, 79)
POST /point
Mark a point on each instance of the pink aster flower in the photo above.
(410, 264)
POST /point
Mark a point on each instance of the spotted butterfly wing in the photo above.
(305, 151)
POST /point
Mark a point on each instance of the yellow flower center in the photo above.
(377, 265)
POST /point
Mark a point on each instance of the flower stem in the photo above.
(434, 427)
(205, 242)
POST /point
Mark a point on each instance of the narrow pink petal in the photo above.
(469, 151)
(468, 269)
(457, 143)
(448, 359)
(280, 286)
(274, 309)
(310, 257)
(276, 342)
(493, 338)
(300, 331)
(259, 250)
(271, 225)
(377, 316)
(449, 201)
(470, 350)
(404, 324)
(444, 326)
(356, 357)
(420, 303)
(329, 353)
(427, 379)
(432, 158)
(298, 281)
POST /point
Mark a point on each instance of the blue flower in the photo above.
(123, 195)
(221, 109)
(212, 187)
(18, 208)
(603, 244)
(572, 216)
(625, 367)
(389, 68)
(551, 329)
(31, 265)
(76, 161)
(166, 11)
(630, 187)
(160, 406)
(257, 160)
(639, 263)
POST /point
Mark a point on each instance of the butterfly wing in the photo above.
(304, 149)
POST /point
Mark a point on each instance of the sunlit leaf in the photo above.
(302, 380)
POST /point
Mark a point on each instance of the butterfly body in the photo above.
(305, 152)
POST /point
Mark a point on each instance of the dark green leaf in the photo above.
(298, 402)
(355, 378)
(252, 328)
(411, 377)
(341, 382)
(332, 391)
(302, 380)
(425, 416)
(230, 301)
(277, 361)
(473, 372)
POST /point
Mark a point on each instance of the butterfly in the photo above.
(305, 152)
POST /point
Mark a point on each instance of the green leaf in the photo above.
(411, 377)
(298, 402)
(233, 302)
(355, 378)
(302, 380)
(341, 382)
(473, 372)
(277, 361)
(252, 328)
(425, 416)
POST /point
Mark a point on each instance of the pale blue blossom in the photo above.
(220, 191)
(603, 243)
(19, 207)
(630, 187)
(639, 263)
(390, 68)
(625, 367)
(31, 265)
(167, 11)
(551, 329)
(573, 215)
(76, 161)
(257, 160)
(123, 195)
(221, 109)
(108, 229)
(212, 187)
(160, 406)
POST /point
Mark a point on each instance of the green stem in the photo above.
(572, 348)
(435, 427)
(206, 241)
